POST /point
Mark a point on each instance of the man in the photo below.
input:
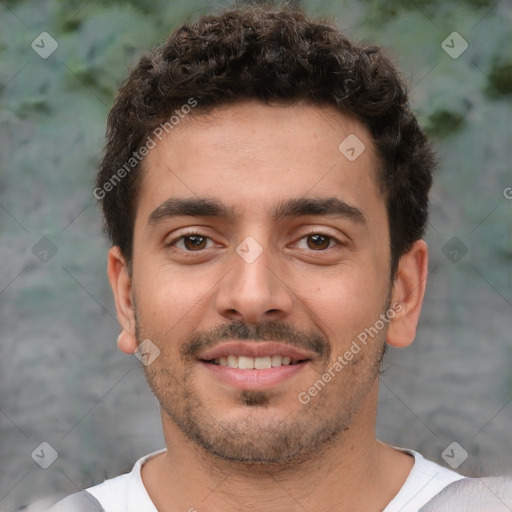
(265, 189)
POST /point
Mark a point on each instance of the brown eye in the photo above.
(318, 241)
(194, 242)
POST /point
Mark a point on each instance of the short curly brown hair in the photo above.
(273, 55)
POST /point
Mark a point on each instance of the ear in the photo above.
(407, 293)
(121, 283)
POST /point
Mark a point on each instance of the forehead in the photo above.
(250, 154)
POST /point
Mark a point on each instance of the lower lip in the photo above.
(254, 379)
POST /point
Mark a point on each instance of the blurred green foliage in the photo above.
(382, 10)
(53, 111)
(500, 80)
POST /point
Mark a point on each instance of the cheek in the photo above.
(344, 301)
(172, 302)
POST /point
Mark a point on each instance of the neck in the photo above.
(354, 471)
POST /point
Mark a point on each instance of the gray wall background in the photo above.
(62, 380)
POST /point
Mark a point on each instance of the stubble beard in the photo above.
(259, 440)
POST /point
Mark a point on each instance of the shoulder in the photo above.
(80, 502)
(491, 494)
(426, 480)
(122, 493)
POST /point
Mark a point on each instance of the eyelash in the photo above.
(195, 233)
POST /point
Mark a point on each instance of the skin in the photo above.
(233, 449)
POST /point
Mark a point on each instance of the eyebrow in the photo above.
(291, 208)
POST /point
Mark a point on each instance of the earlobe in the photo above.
(121, 283)
(408, 291)
(126, 342)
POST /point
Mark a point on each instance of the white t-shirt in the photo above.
(126, 493)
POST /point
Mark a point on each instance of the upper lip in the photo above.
(254, 349)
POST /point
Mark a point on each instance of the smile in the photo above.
(254, 363)
(251, 365)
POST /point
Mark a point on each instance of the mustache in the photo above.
(267, 331)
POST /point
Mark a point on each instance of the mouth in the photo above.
(254, 365)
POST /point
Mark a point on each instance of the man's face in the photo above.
(243, 288)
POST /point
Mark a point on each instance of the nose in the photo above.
(255, 289)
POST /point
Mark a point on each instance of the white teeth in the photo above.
(245, 363)
(249, 363)
(262, 363)
(277, 360)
